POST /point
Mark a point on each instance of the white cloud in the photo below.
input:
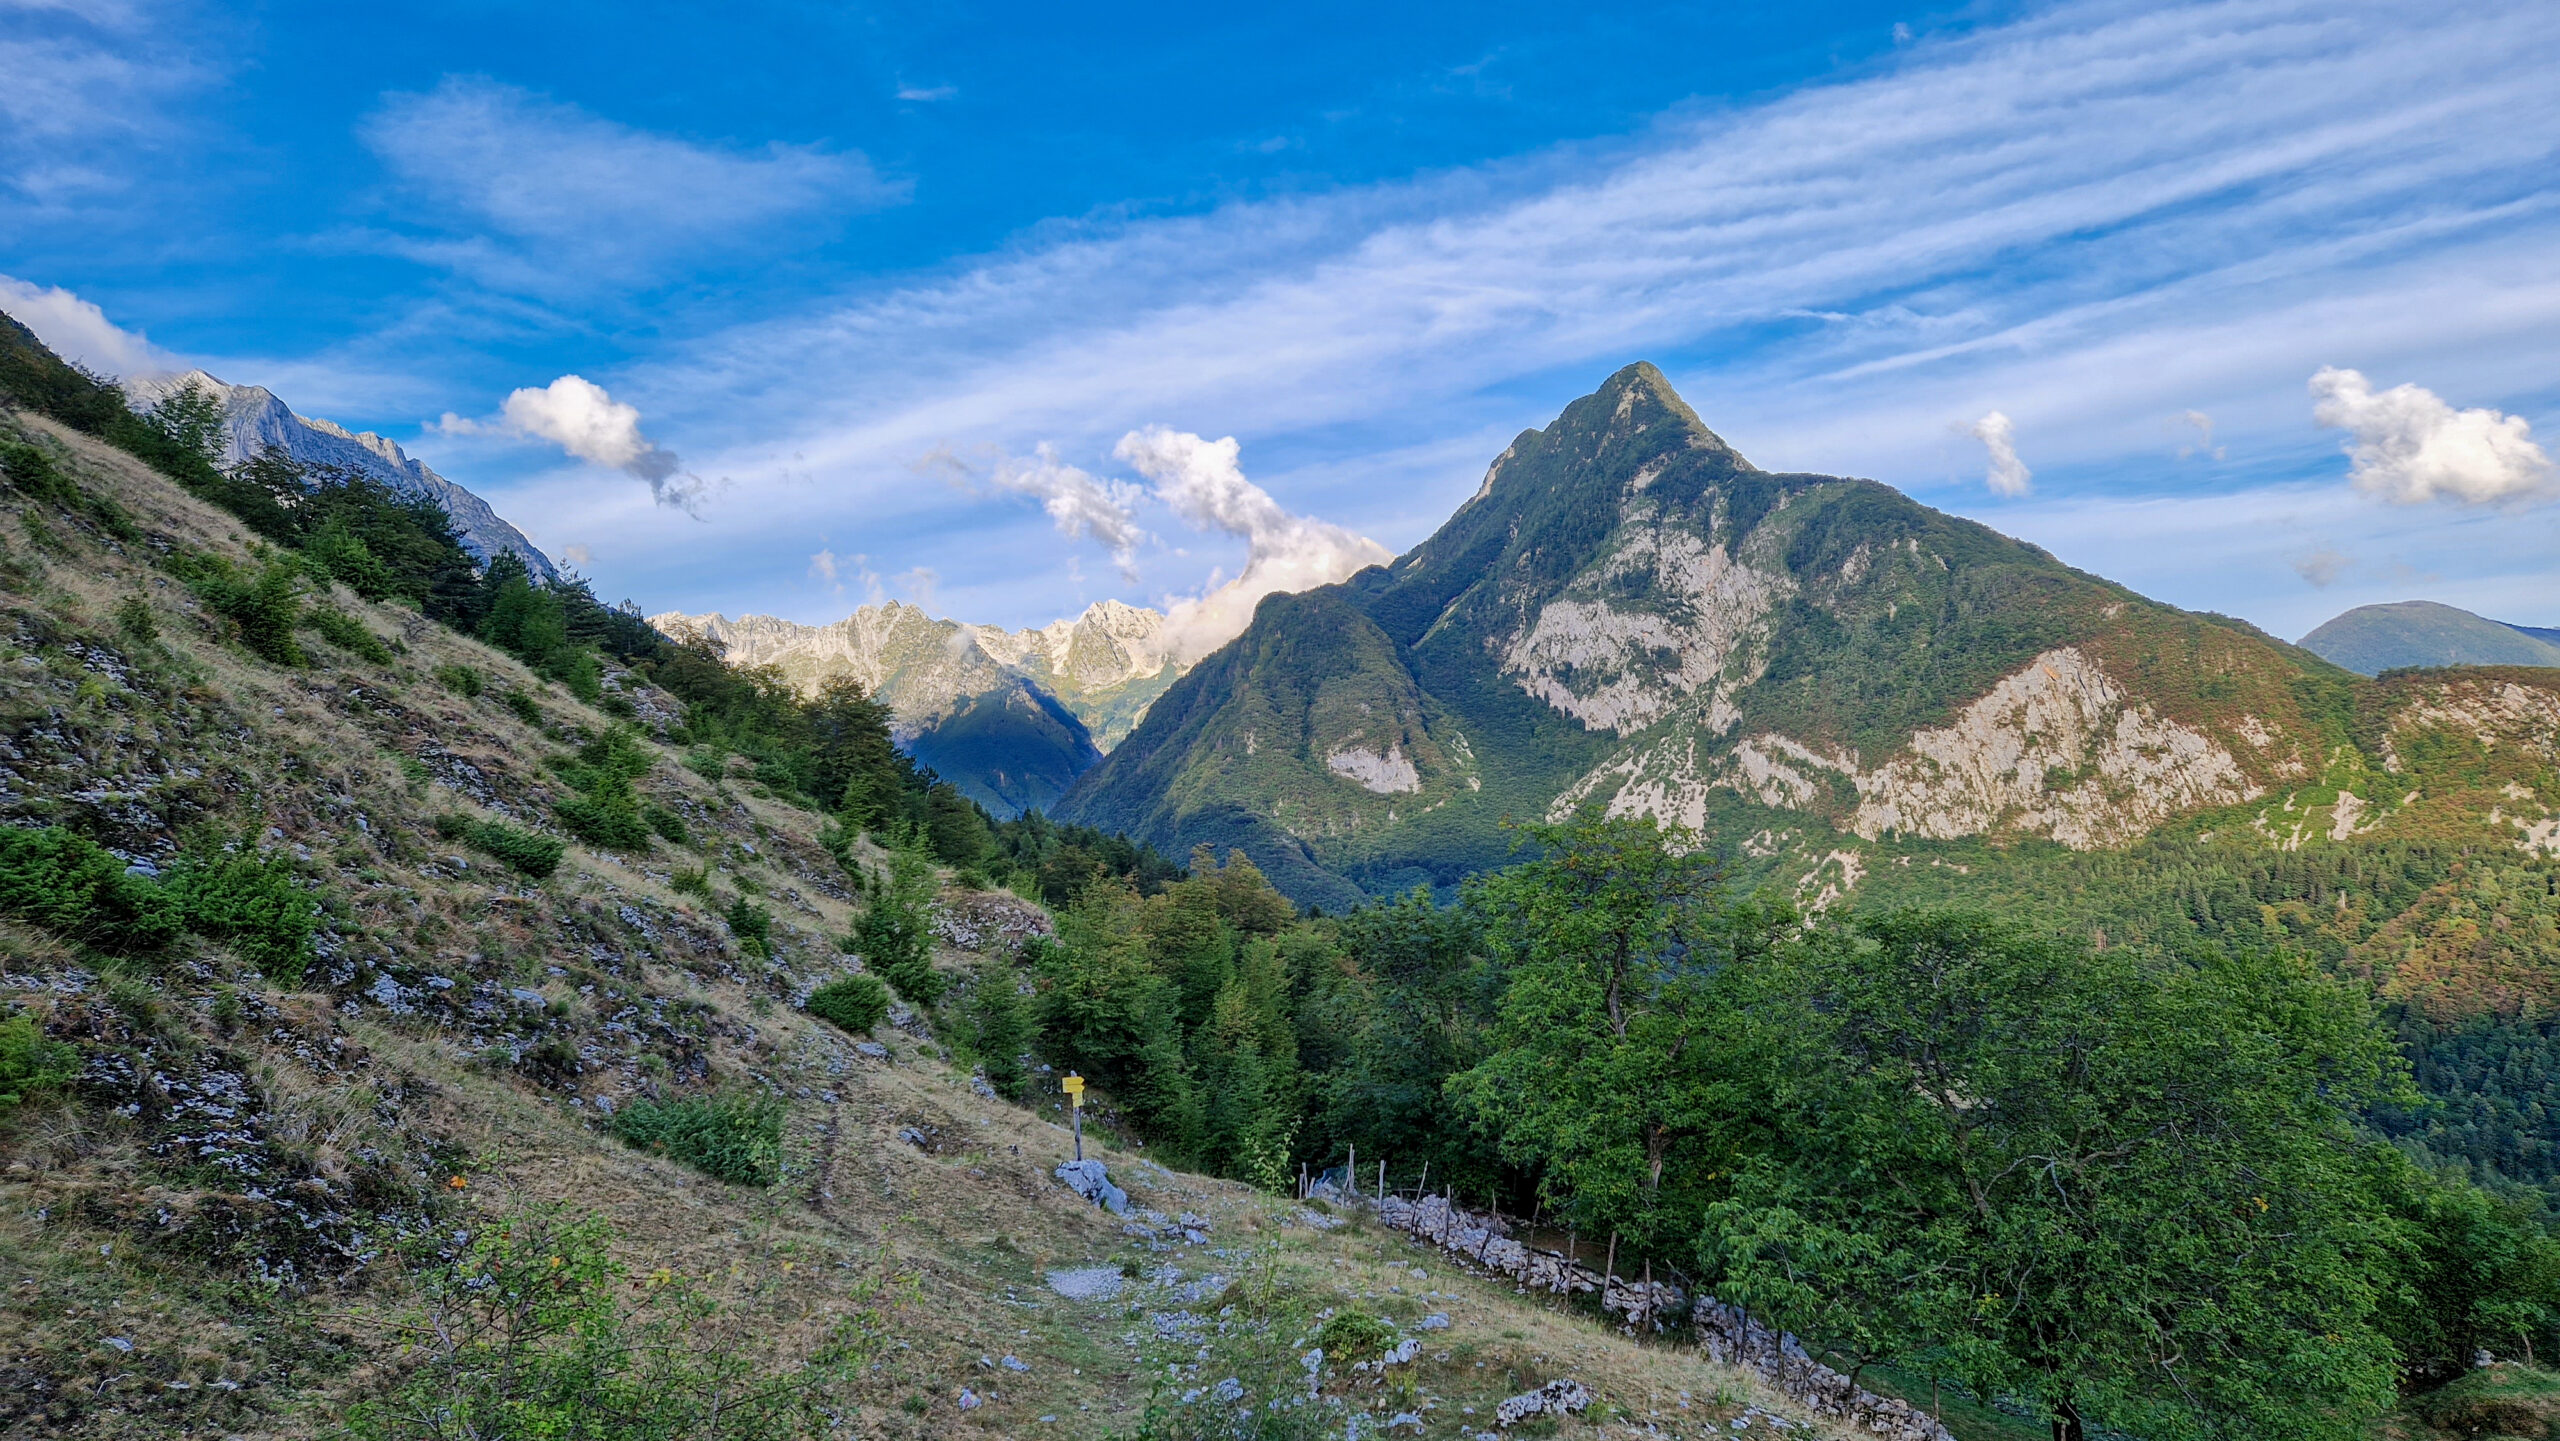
(1202, 483)
(579, 556)
(921, 584)
(2203, 424)
(927, 93)
(80, 332)
(2408, 446)
(577, 415)
(542, 196)
(1078, 503)
(2008, 475)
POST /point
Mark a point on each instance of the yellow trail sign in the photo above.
(1074, 1087)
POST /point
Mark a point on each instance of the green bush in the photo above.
(462, 680)
(856, 1003)
(752, 924)
(611, 822)
(1353, 1336)
(668, 824)
(534, 855)
(32, 472)
(733, 1137)
(692, 881)
(522, 704)
(347, 633)
(265, 606)
(336, 553)
(29, 1063)
(135, 621)
(251, 901)
(67, 884)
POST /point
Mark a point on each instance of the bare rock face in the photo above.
(256, 422)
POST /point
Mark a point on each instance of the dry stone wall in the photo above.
(1723, 1331)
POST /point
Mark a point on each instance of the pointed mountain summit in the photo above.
(1629, 614)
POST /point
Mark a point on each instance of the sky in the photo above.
(783, 308)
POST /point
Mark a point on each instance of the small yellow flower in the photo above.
(555, 1263)
(457, 1183)
(786, 1268)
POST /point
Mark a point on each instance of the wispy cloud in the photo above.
(528, 194)
(82, 87)
(2104, 214)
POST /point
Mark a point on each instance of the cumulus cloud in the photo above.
(1200, 481)
(551, 197)
(2406, 445)
(80, 332)
(577, 415)
(2008, 475)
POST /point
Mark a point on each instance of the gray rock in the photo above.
(1090, 1180)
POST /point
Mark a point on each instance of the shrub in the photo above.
(30, 1064)
(135, 621)
(67, 884)
(522, 704)
(335, 553)
(32, 472)
(1352, 1336)
(732, 1137)
(251, 901)
(534, 855)
(669, 825)
(752, 924)
(462, 680)
(692, 881)
(610, 822)
(265, 607)
(856, 1003)
(347, 633)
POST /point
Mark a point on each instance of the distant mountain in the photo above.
(2371, 639)
(1011, 717)
(255, 422)
(1834, 683)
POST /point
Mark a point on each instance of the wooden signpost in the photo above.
(1073, 1085)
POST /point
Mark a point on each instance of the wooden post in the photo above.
(1422, 1187)
(1302, 1180)
(1351, 1174)
(1382, 1183)
(1609, 1276)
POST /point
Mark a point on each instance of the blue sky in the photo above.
(834, 277)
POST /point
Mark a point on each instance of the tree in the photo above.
(1002, 1029)
(894, 933)
(2128, 1189)
(1604, 1070)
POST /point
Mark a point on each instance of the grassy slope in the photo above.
(114, 1233)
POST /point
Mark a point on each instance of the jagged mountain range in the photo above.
(1822, 675)
(1010, 716)
(255, 422)
(2371, 639)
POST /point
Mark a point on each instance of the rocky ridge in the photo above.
(256, 422)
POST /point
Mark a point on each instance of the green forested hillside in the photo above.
(2371, 639)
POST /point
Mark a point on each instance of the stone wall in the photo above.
(1723, 1331)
